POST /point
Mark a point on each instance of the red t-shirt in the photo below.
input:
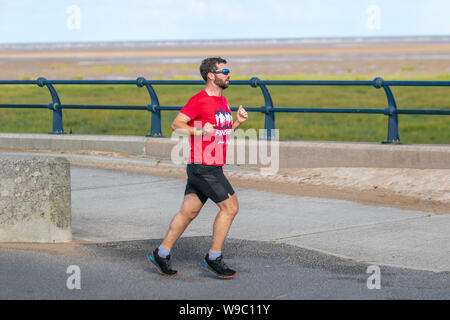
(209, 149)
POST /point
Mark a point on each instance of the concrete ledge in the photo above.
(126, 144)
(321, 154)
(34, 199)
(292, 154)
(304, 154)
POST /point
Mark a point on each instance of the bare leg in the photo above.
(189, 210)
(228, 210)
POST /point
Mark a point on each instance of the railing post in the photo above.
(155, 122)
(57, 127)
(269, 122)
(391, 111)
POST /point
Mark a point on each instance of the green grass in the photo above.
(293, 126)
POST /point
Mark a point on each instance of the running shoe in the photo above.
(161, 264)
(218, 268)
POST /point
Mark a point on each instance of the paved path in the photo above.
(112, 205)
(126, 214)
(283, 246)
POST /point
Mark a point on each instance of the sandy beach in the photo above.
(380, 57)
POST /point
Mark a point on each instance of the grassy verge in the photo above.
(293, 126)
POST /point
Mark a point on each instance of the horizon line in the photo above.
(226, 40)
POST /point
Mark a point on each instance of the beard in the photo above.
(221, 83)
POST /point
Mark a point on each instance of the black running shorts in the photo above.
(207, 182)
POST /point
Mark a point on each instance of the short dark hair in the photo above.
(210, 65)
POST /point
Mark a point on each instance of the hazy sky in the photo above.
(23, 21)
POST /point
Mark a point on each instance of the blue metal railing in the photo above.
(268, 109)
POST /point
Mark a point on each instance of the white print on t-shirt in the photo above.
(223, 132)
(223, 119)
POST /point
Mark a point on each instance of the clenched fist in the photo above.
(207, 128)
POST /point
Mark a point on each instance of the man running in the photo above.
(208, 120)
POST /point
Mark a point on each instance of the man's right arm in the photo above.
(180, 125)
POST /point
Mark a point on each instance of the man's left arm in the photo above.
(241, 117)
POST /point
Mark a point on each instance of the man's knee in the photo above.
(191, 206)
(234, 211)
(189, 214)
(231, 207)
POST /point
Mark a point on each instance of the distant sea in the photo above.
(245, 43)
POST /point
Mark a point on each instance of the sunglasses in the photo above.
(224, 71)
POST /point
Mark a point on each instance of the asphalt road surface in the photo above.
(120, 270)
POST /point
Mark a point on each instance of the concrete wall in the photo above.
(320, 154)
(34, 199)
(126, 144)
(370, 155)
(292, 154)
